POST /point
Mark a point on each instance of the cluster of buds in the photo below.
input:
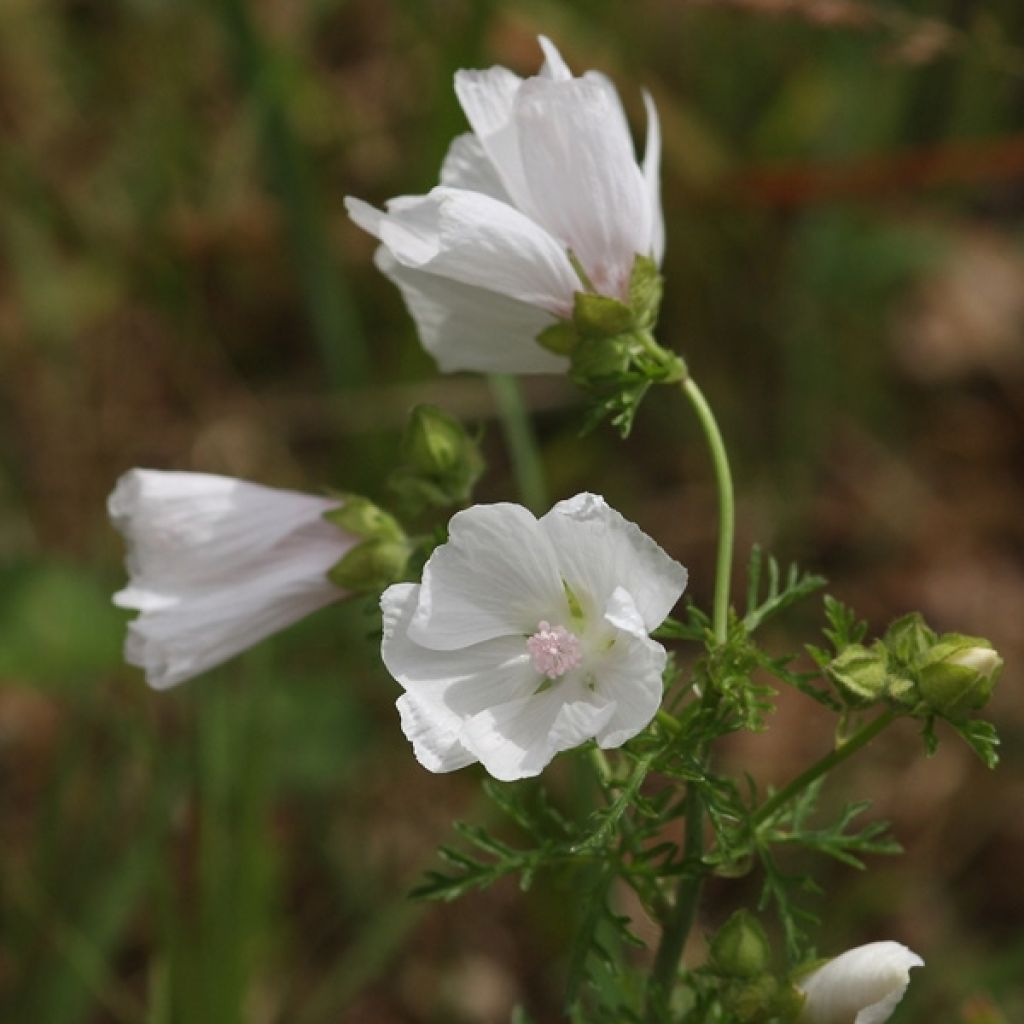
(927, 674)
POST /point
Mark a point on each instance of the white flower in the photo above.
(549, 167)
(528, 637)
(862, 986)
(216, 565)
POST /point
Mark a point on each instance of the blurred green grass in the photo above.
(179, 288)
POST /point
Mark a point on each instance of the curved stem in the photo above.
(522, 442)
(726, 506)
(859, 739)
(684, 911)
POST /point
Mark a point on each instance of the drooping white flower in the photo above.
(216, 565)
(861, 986)
(548, 169)
(528, 637)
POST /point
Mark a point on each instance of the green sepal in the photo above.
(601, 316)
(860, 674)
(600, 364)
(363, 518)
(371, 566)
(646, 286)
(560, 338)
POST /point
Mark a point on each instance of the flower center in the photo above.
(554, 650)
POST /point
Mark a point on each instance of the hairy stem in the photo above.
(522, 442)
(859, 739)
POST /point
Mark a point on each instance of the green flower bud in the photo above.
(959, 674)
(362, 518)
(860, 674)
(740, 947)
(909, 639)
(371, 566)
(443, 463)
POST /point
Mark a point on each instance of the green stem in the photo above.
(684, 911)
(726, 506)
(859, 739)
(521, 441)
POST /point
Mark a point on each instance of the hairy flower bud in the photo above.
(860, 674)
(740, 947)
(959, 674)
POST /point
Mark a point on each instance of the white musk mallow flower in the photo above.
(216, 565)
(530, 636)
(547, 177)
(861, 986)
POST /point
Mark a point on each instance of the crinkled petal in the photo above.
(474, 239)
(433, 732)
(861, 986)
(467, 166)
(652, 177)
(467, 328)
(496, 576)
(598, 551)
(629, 674)
(517, 740)
(583, 182)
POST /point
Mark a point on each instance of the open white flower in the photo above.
(528, 637)
(216, 565)
(861, 986)
(548, 169)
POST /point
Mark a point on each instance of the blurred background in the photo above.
(180, 288)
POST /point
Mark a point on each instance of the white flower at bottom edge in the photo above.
(216, 565)
(530, 636)
(861, 986)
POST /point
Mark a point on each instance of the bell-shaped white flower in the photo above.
(216, 565)
(530, 636)
(549, 169)
(861, 986)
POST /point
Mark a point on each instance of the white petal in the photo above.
(216, 565)
(652, 176)
(476, 240)
(862, 986)
(496, 576)
(468, 167)
(554, 66)
(517, 740)
(198, 529)
(598, 551)
(463, 681)
(486, 98)
(466, 328)
(629, 674)
(434, 734)
(196, 631)
(581, 173)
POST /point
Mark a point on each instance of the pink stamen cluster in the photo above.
(554, 650)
